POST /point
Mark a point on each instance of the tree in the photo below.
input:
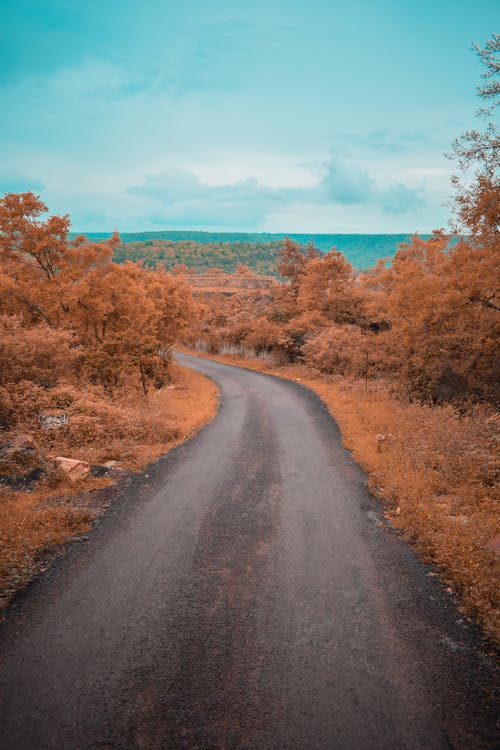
(439, 305)
(128, 317)
(121, 318)
(481, 147)
(477, 205)
(292, 260)
(327, 286)
(38, 266)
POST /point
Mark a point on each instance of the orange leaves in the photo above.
(438, 302)
(38, 354)
(293, 261)
(122, 317)
(327, 286)
(37, 264)
(341, 350)
(129, 317)
(429, 320)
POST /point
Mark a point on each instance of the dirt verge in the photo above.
(128, 434)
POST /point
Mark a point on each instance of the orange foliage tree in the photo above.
(107, 320)
(38, 265)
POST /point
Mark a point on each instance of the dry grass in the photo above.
(436, 471)
(31, 524)
(131, 430)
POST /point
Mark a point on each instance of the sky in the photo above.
(271, 115)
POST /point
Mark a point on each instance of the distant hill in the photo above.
(260, 257)
(203, 250)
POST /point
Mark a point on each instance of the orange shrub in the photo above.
(341, 350)
(39, 353)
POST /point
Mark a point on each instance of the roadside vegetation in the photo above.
(88, 389)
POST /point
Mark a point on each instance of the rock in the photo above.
(74, 468)
(25, 442)
(20, 444)
(52, 421)
(115, 470)
(494, 545)
(453, 646)
(20, 457)
(97, 470)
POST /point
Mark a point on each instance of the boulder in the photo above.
(74, 468)
(20, 456)
(20, 444)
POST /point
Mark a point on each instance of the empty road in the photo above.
(243, 593)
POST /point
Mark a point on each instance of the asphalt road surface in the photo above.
(243, 593)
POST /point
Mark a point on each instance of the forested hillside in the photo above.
(199, 257)
(259, 251)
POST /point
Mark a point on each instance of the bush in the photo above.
(340, 350)
(39, 354)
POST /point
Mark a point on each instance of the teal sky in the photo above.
(273, 115)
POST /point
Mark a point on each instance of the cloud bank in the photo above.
(180, 195)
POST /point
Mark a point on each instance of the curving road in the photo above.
(243, 593)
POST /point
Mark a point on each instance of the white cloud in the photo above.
(346, 183)
(182, 197)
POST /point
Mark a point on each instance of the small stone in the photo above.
(452, 646)
(74, 468)
(25, 442)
